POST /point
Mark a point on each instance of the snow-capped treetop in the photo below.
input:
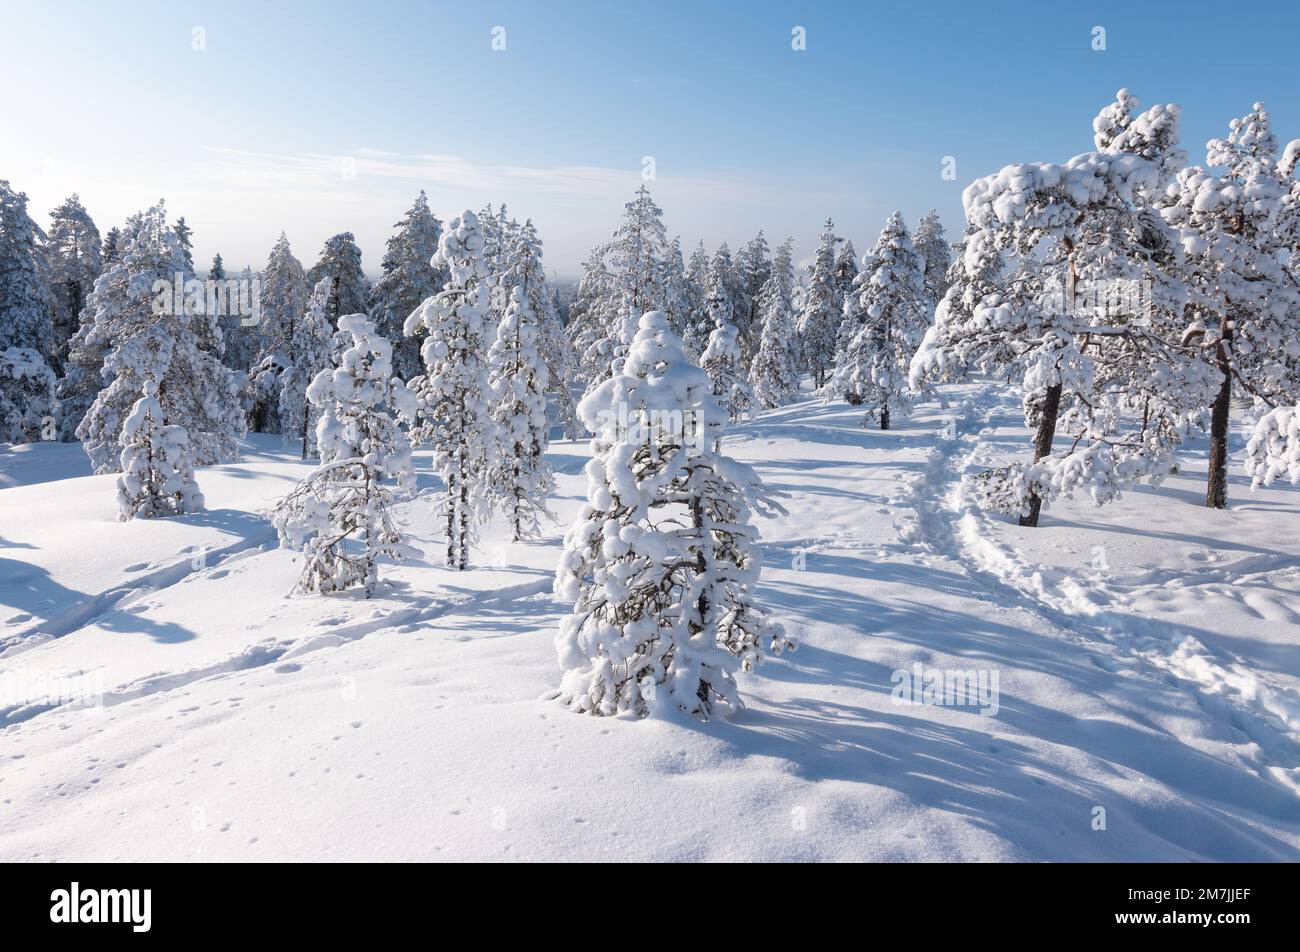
(340, 259)
(932, 245)
(283, 297)
(409, 277)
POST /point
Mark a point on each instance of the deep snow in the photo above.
(1147, 659)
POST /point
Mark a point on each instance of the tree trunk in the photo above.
(1043, 446)
(1216, 490)
(884, 416)
(451, 524)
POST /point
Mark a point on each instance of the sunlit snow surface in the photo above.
(1147, 656)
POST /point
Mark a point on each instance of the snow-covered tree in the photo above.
(408, 278)
(135, 300)
(721, 361)
(639, 247)
(185, 241)
(27, 397)
(846, 268)
(310, 350)
(340, 260)
(454, 400)
(753, 268)
(879, 337)
(25, 310)
(522, 479)
(157, 478)
(676, 287)
(1070, 283)
(774, 374)
(110, 250)
(819, 321)
(73, 247)
(1248, 299)
(699, 318)
(661, 563)
(282, 301)
(340, 516)
(932, 245)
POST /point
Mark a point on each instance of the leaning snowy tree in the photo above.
(819, 322)
(157, 478)
(408, 278)
(662, 561)
(1237, 249)
(310, 347)
(878, 341)
(1070, 282)
(454, 414)
(136, 297)
(774, 375)
(340, 516)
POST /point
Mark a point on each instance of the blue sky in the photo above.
(322, 117)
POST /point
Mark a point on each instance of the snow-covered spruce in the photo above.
(340, 260)
(26, 314)
(281, 303)
(774, 375)
(74, 250)
(1273, 452)
(936, 257)
(522, 479)
(408, 278)
(340, 516)
(310, 347)
(880, 334)
(819, 321)
(134, 300)
(661, 563)
(157, 478)
(454, 407)
(1070, 283)
(27, 400)
(721, 361)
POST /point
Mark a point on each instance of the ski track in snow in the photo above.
(1223, 686)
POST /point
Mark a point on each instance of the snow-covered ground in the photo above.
(1146, 656)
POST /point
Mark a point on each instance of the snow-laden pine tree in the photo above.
(846, 268)
(311, 350)
(1247, 296)
(936, 256)
(699, 319)
(73, 247)
(753, 268)
(454, 413)
(26, 318)
(185, 241)
(27, 397)
(774, 374)
(109, 251)
(880, 335)
(157, 478)
(282, 301)
(1071, 284)
(134, 299)
(408, 278)
(522, 478)
(340, 516)
(819, 321)
(676, 289)
(722, 362)
(662, 560)
(637, 252)
(83, 369)
(340, 260)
